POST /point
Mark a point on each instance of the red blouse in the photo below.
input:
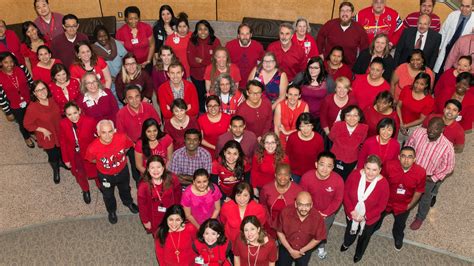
(364, 92)
(48, 117)
(263, 172)
(385, 152)
(412, 108)
(161, 148)
(77, 71)
(303, 153)
(43, 74)
(372, 118)
(230, 216)
(178, 247)
(329, 111)
(178, 134)
(211, 131)
(346, 146)
(73, 90)
(16, 87)
(265, 253)
(30, 54)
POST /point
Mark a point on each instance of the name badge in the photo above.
(210, 52)
(135, 41)
(340, 167)
(161, 209)
(160, 37)
(106, 184)
(89, 103)
(176, 40)
(401, 191)
(307, 44)
(199, 260)
(458, 118)
(23, 104)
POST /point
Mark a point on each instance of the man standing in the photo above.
(237, 132)
(130, 120)
(108, 152)
(244, 52)
(63, 45)
(406, 180)
(457, 24)
(426, 8)
(289, 57)
(435, 153)
(379, 18)
(300, 229)
(48, 22)
(343, 32)
(419, 37)
(326, 188)
(191, 157)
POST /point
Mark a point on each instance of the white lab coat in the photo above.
(447, 31)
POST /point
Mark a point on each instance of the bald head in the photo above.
(304, 197)
(423, 24)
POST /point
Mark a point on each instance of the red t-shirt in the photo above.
(78, 71)
(308, 44)
(327, 194)
(412, 108)
(138, 46)
(161, 149)
(403, 185)
(211, 131)
(110, 158)
(364, 92)
(303, 153)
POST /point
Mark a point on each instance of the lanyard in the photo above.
(76, 140)
(51, 27)
(158, 192)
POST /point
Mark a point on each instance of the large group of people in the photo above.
(247, 155)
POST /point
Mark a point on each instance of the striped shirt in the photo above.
(437, 157)
(412, 21)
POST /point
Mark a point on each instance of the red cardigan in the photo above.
(372, 118)
(230, 217)
(375, 204)
(165, 98)
(38, 115)
(346, 147)
(329, 110)
(385, 152)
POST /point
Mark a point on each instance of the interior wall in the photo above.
(317, 11)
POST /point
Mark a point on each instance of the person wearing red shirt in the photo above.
(335, 64)
(381, 108)
(347, 136)
(426, 8)
(42, 69)
(300, 230)
(42, 117)
(303, 39)
(174, 239)
(176, 88)
(268, 155)
(242, 202)
(48, 22)
(63, 88)
(343, 32)
(254, 245)
(10, 42)
(32, 40)
(384, 145)
(326, 188)
(414, 104)
(130, 120)
(290, 58)
(87, 61)
(256, 110)
(446, 84)
(137, 36)
(275, 196)
(453, 131)
(200, 50)
(220, 63)
(158, 190)
(177, 125)
(406, 181)
(76, 132)
(244, 52)
(213, 124)
(367, 86)
(303, 146)
(379, 18)
(366, 194)
(212, 245)
(108, 153)
(179, 41)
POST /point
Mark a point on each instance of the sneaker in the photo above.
(398, 245)
(322, 253)
(416, 224)
(433, 201)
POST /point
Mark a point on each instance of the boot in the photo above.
(56, 176)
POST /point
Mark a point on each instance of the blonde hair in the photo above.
(344, 81)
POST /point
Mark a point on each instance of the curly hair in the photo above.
(279, 152)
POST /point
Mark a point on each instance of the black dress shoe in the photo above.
(113, 217)
(343, 248)
(357, 258)
(433, 201)
(86, 195)
(133, 207)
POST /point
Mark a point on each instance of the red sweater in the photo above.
(130, 122)
(38, 115)
(151, 198)
(329, 111)
(372, 118)
(385, 152)
(202, 50)
(165, 98)
(258, 120)
(244, 57)
(13, 46)
(375, 204)
(263, 172)
(327, 194)
(230, 216)
(346, 146)
(302, 154)
(106, 107)
(364, 92)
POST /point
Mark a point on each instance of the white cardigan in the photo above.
(447, 32)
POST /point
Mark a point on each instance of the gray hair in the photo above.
(217, 83)
(83, 84)
(298, 20)
(105, 121)
(286, 25)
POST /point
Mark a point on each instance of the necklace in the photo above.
(249, 254)
(176, 247)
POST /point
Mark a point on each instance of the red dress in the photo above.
(73, 90)
(77, 71)
(48, 117)
(263, 172)
(211, 131)
(178, 247)
(230, 216)
(153, 201)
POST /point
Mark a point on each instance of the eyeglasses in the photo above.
(40, 90)
(270, 143)
(91, 82)
(213, 106)
(71, 26)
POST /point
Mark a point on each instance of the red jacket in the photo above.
(165, 98)
(346, 147)
(230, 216)
(389, 23)
(202, 50)
(13, 46)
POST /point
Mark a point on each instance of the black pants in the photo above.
(399, 224)
(54, 154)
(135, 173)
(19, 115)
(121, 181)
(362, 240)
(284, 257)
(344, 169)
(201, 92)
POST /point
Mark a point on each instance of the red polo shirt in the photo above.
(110, 158)
(403, 185)
(292, 61)
(327, 194)
(130, 122)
